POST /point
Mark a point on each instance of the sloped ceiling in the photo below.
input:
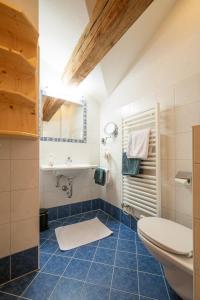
(60, 28)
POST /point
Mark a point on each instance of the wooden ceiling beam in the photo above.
(109, 21)
(50, 106)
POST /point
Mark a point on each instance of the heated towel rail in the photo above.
(142, 192)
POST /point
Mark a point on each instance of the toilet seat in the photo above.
(167, 235)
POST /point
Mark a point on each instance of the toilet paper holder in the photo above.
(183, 177)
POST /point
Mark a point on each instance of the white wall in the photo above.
(57, 40)
(83, 185)
(168, 71)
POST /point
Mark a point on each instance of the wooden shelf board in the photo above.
(18, 62)
(13, 97)
(15, 21)
(19, 134)
(16, 59)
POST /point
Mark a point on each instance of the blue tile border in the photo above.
(65, 140)
(18, 264)
(94, 204)
(4, 269)
(24, 262)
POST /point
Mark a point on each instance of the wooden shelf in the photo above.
(15, 22)
(12, 97)
(18, 74)
(18, 134)
(17, 60)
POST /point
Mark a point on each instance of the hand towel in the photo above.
(130, 166)
(102, 176)
(138, 144)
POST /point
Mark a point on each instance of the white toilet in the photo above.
(172, 245)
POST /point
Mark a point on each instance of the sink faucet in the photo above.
(69, 160)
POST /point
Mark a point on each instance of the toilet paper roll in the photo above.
(181, 181)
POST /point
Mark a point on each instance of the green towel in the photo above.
(100, 176)
(130, 166)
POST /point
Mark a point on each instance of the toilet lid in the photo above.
(167, 235)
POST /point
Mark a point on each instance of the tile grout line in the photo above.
(94, 210)
(104, 265)
(53, 240)
(92, 261)
(37, 274)
(75, 215)
(126, 292)
(165, 282)
(60, 276)
(85, 281)
(115, 257)
(114, 265)
(5, 283)
(137, 268)
(19, 297)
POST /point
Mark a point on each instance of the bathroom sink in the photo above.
(70, 170)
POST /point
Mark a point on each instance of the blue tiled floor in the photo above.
(116, 268)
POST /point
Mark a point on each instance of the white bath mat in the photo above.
(79, 234)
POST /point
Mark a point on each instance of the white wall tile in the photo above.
(84, 179)
(4, 148)
(183, 199)
(167, 145)
(48, 181)
(168, 185)
(188, 90)
(24, 174)
(187, 116)
(5, 240)
(184, 219)
(164, 170)
(171, 171)
(168, 201)
(168, 214)
(167, 122)
(24, 149)
(184, 145)
(4, 175)
(24, 234)
(55, 197)
(184, 165)
(4, 207)
(24, 204)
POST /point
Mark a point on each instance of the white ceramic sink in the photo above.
(70, 170)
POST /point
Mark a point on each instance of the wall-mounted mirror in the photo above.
(62, 120)
(111, 129)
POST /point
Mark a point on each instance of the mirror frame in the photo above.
(65, 140)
